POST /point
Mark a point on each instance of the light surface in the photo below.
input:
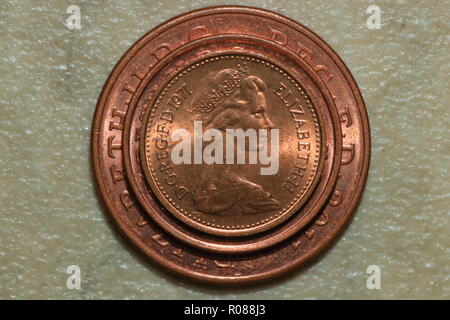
(51, 216)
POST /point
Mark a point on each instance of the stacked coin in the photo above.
(230, 145)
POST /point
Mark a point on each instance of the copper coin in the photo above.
(214, 192)
(230, 145)
(136, 111)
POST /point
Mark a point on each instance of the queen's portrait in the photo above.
(231, 99)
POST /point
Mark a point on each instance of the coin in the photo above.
(230, 145)
(135, 113)
(210, 187)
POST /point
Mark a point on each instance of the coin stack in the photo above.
(230, 145)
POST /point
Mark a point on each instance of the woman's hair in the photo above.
(223, 90)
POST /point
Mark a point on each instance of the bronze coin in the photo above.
(216, 193)
(230, 145)
(136, 111)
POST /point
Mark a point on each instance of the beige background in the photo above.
(50, 79)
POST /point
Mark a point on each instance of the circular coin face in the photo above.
(230, 145)
(222, 138)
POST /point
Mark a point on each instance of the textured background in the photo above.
(50, 79)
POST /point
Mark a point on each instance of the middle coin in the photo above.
(232, 145)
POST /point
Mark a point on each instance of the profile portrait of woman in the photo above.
(231, 99)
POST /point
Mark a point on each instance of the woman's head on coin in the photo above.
(231, 99)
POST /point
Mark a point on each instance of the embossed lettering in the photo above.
(198, 32)
(178, 253)
(336, 198)
(279, 37)
(142, 221)
(229, 264)
(322, 220)
(116, 173)
(322, 70)
(201, 262)
(113, 146)
(158, 238)
(346, 117)
(126, 199)
(349, 149)
(117, 125)
(161, 51)
(304, 53)
(310, 233)
(295, 244)
(307, 56)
